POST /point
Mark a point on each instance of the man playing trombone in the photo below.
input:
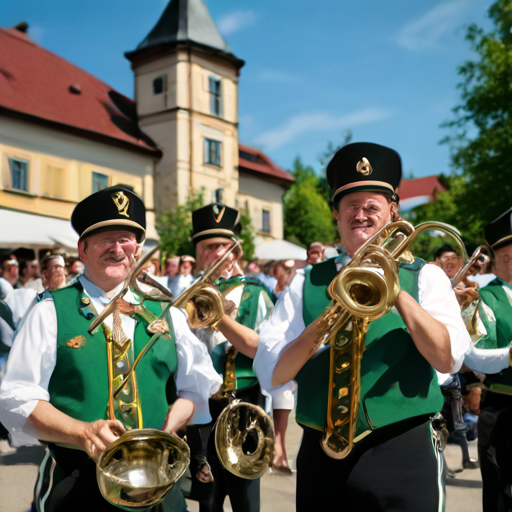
(391, 460)
(56, 387)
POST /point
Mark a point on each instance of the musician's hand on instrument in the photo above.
(225, 268)
(466, 295)
(99, 435)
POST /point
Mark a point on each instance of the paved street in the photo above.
(18, 472)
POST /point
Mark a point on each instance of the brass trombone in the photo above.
(140, 469)
(363, 291)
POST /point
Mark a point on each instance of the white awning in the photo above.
(280, 250)
(35, 232)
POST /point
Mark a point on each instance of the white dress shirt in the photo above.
(286, 323)
(33, 357)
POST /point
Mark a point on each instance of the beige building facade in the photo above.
(186, 91)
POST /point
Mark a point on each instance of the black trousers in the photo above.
(394, 469)
(67, 481)
(495, 451)
(244, 494)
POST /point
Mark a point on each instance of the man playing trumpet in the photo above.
(394, 461)
(56, 387)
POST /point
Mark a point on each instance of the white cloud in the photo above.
(272, 75)
(427, 30)
(235, 21)
(318, 122)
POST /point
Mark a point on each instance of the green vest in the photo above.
(79, 384)
(247, 315)
(495, 296)
(397, 382)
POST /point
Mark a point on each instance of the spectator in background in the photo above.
(185, 278)
(284, 272)
(54, 271)
(74, 267)
(315, 253)
(266, 275)
(447, 258)
(10, 270)
(171, 266)
(30, 275)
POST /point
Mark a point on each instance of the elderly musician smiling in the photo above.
(394, 461)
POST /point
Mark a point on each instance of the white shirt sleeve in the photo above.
(196, 378)
(285, 324)
(437, 297)
(487, 360)
(29, 368)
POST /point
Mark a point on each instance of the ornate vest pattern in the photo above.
(79, 384)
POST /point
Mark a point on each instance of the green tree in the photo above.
(247, 234)
(307, 216)
(481, 137)
(175, 226)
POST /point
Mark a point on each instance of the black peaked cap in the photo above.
(498, 233)
(109, 209)
(364, 166)
(215, 220)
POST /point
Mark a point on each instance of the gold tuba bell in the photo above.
(363, 291)
(244, 433)
(140, 469)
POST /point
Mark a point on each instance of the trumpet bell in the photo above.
(140, 469)
(244, 439)
(369, 290)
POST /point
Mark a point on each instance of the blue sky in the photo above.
(385, 70)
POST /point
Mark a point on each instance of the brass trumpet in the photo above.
(478, 259)
(140, 469)
(363, 291)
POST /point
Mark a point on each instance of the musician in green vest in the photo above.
(494, 434)
(232, 348)
(57, 388)
(394, 462)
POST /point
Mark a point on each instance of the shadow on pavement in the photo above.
(23, 455)
(472, 484)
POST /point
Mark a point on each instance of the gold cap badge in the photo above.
(122, 203)
(218, 213)
(364, 167)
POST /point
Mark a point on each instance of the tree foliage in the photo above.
(247, 234)
(307, 216)
(175, 226)
(481, 132)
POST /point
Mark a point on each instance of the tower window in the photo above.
(159, 85)
(212, 149)
(219, 195)
(99, 181)
(265, 221)
(215, 96)
(19, 174)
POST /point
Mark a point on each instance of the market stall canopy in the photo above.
(280, 250)
(35, 232)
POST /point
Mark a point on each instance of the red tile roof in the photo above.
(427, 186)
(39, 86)
(253, 161)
